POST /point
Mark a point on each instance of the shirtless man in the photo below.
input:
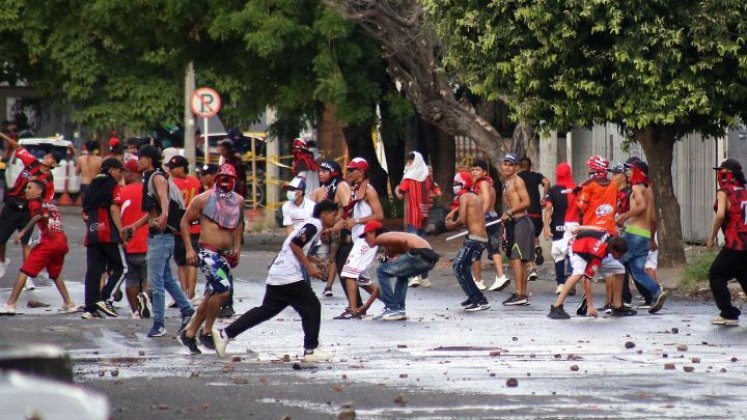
(640, 222)
(469, 213)
(219, 211)
(483, 187)
(518, 228)
(407, 254)
(361, 207)
(87, 166)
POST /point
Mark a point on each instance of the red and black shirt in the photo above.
(50, 224)
(100, 228)
(32, 170)
(735, 224)
(591, 245)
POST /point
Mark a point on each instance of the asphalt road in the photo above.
(441, 363)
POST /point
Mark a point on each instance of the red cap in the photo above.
(226, 170)
(300, 143)
(371, 226)
(131, 165)
(358, 163)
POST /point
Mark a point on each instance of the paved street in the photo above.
(441, 363)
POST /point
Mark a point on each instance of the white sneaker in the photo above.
(220, 341)
(719, 320)
(68, 309)
(135, 315)
(559, 289)
(3, 266)
(414, 281)
(480, 284)
(500, 283)
(171, 303)
(394, 316)
(196, 300)
(30, 284)
(425, 282)
(8, 310)
(317, 356)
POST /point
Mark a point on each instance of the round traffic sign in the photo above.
(205, 102)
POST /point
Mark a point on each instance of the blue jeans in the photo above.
(421, 233)
(160, 251)
(463, 268)
(635, 260)
(400, 270)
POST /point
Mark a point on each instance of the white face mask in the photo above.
(457, 189)
(290, 195)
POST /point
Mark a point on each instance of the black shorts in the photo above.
(495, 234)
(180, 252)
(518, 243)
(538, 225)
(13, 219)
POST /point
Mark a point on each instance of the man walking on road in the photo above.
(189, 186)
(136, 247)
(533, 181)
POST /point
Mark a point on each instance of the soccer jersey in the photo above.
(132, 197)
(564, 209)
(100, 227)
(189, 186)
(31, 170)
(597, 200)
(735, 224)
(53, 224)
(417, 201)
(533, 181)
(591, 245)
(286, 268)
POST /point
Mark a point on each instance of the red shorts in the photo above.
(49, 253)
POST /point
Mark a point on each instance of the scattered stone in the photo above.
(723, 370)
(696, 359)
(532, 356)
(495, 353)
(733, 359)
(194, 375)
(286, 358)
(400, 399)
(401, 346)
(512, 382)
(141, 353)
(236, 359)
(558, 356)
(36, 304)
(665, 355)
(403, 375)
(337, 388)
(669, 366)
(514, 338)
(114, 372)
(492, 375)
(629, 344)
(681, 347)
(102, 373)
(344, 376)
(346, 412)
(688, 368)
(159, 406)
(574, 368)
(675, 330)
(228, 368)
(640, 352)
(239, 381)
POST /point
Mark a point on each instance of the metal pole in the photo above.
(254, 174)
(206, 149)
(460, 234)
(189, 120)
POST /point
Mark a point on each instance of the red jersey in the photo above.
(591, 245)
(132, 198)
(100, 227)
(735, 224)
(16, 195)
(417, 201)
(50, 224)
(189, 187)
(597, 200)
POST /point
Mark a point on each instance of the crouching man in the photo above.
(407, 255)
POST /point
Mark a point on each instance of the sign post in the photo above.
(205, 103)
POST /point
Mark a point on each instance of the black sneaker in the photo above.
(478, 306)
(516, 300)
(557, 312)
(658, 302)
(532, 275)
(582, 309)
(207, 341)
(327, 292)
(623, 311)
(226, 311)
(607, 308)
(538, 258)
(107, 308)
(185, 321)
(467, 302)
(190, 343)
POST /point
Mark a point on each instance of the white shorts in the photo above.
(359, 259)
(652, 261)
(560, 247)
(609, 267)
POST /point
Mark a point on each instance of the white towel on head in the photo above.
(418, 171)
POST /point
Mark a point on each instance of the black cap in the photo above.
(208, 169)
(111, 163)
(227, 143)
(177, 161)
(480, 164)
(149, 152)
(730, 164)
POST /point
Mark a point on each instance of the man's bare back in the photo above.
(397, 243)
(641, 208)
(88, 167)
(470, 214)
(487, 195)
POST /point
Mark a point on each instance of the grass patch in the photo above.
(697, 271)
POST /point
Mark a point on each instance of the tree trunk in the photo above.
(358, 139)
(658, 144)
(443, 160)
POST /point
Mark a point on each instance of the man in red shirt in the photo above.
(189, 186)
(101, 209)
(135, 247)
(15, 214)
(415, 188)
(49, 253)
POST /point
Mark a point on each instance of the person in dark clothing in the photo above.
(101, 212)
(533, 181)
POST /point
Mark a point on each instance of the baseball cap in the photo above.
(358, 163)
(131, 165)
(208, 169)
(510, 157)
(481, 164)
(297, 183)
(331, 166)
(371, 226)
(619, 168)
(730, 164)
(177, 161)
(227, 170)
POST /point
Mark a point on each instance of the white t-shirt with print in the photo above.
(297, 215)
(285, 268)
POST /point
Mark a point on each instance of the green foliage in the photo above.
(696, 271)
(673, 63)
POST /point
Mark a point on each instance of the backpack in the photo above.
(176, 202)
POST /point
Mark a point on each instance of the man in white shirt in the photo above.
(286, 287)
(298, 209)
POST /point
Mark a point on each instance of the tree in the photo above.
(659, 69)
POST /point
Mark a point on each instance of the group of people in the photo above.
(606, 226)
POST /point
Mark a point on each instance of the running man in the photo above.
(518, 228)
(469, 213)
(135, 247)
(189, 186)
(560, 218)
(406, 254)
(533, 181)
(483, 187)
(286, 287)
(49, 253)
(219, 211)
(362, 207)
(731, 219)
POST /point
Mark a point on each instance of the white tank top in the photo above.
(360, 210)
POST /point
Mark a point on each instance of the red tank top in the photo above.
(735, 225)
